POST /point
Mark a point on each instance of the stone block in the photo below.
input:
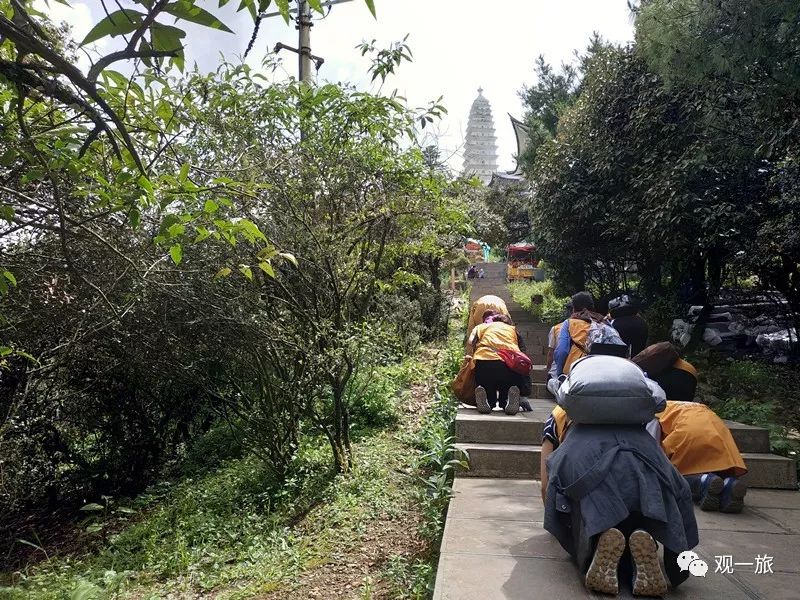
(501, 460)
(497, 427)
(749, 438)
(770, 471)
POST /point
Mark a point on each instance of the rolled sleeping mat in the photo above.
(608, 390)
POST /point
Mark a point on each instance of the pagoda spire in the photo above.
(480, 145)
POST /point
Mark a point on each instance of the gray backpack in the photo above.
(608, 390)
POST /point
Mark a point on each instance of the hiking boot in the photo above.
(602, 573)
(710, 492)
(648, 579)
(481, 401)
(732, 497)
(512, 405)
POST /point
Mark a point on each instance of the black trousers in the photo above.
(496, 378)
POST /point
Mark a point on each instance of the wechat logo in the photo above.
(690, 561)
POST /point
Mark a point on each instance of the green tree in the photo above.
(548, 98)
(742, 56)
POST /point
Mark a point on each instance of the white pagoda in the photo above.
(480, 147)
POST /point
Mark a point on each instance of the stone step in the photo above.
(749, 438)
(526, 428)
(494, 548)
(770, 471)
(523, 428)
(519, 461)
(507, 461)
(538, 373)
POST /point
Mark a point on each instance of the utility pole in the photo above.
(304, 23)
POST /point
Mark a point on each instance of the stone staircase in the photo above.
(501, 446)
(495, 548)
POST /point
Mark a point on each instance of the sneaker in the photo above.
(733, 493)
(602, 574)
(710, 492)
(648, 579)
(512, 406)
(481, 400)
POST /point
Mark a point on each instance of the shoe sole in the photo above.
(736, 503)
(602, 574)
(482, 401)
(512, 404)
(711, 500)
(649, 580)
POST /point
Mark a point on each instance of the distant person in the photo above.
(472, 272)
(552, 338)
(496, 383)
(537, 306)
(481, 273)
(629, 323)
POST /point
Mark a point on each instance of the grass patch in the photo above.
(552, 308)
(231, 532)
(413, 578)
(755, 393)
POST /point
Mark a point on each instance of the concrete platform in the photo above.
(494, 548)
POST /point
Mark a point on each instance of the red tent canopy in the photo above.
(520, 249)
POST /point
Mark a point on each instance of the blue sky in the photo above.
(457, 45)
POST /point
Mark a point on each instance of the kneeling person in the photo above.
(496, 383)
(607, 484)
(703, 450)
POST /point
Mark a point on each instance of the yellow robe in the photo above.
(480, 306)
(697, 441)
(492, 336)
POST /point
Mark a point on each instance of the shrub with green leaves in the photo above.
(551, 310)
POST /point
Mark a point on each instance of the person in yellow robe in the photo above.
(496, 383)
(703, 450)
(696, 441)
(480, 308)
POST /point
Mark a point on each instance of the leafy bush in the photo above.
(439, 457)
(551, 310)
(755, 393)
(659, 315)
(410, 579)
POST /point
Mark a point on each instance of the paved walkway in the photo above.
(495, 548)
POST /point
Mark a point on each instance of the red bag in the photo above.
(516, 361)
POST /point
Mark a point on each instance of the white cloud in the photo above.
(458, 45)
(80, 19)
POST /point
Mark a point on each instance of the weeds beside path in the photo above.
(229, 533)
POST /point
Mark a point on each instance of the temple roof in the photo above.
(522, 134)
